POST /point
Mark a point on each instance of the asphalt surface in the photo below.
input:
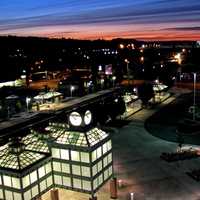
(163, 124)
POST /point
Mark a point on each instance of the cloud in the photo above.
(184, 29)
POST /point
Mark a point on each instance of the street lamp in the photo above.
(127, 68)
(72, 89)
(113, 79)
(27, 103)
(194, 97)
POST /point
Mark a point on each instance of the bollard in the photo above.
(132, 195)
(119, 183)
(113, 188)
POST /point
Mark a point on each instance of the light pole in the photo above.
(27, 103)
(194, 97)
(72, 89)
(113, 79)
(127, 68)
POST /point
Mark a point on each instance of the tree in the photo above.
(145, 93)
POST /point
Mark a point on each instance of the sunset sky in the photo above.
(104, 19)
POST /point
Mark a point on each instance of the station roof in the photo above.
(30, 150)
(75, 138)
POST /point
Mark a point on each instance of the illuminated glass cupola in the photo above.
(81, 154)
(25, 170)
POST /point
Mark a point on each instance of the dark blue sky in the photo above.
(91, 19)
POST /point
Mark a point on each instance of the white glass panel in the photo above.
(94, 170)
(64, 154)
(75, 155)
(35, 191)
(85, 171)
(104, 148)
(95, 183)
(109, 145)
(8, 195)
(7, 181)
(1, 194)
(105, 161)
(16, 183)
(58, 179)
(55, 153)
(67, 181)
(49, 181)
(77, 183)
(33, 177)
(86, 185)
(48, 168)
(110, 158)
(26, 181)
(100, 179)
(76, 170)
(105, 174)
(56, 166)
(41, 171)
(94, 155)
(85, 157)
(27, 195)
(43, 185)
(110, 170)
(99, 165)
(99, 153)
(65, 168)
(17, 196)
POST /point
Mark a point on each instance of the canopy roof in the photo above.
(47, 95)
(82, 139)
(33, 150)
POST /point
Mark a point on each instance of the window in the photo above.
(41, 171)
(85, 171)
(94, 170)
(67, 181)
(99, 153)
(99, 166)
(85, 157)
(26, 181)
(49, 181)
(110, 171)
(76, 170)
(56, 166)
(94, 155)
(27, 195)
(1, 194)
(55, 153)
(8, 195)
(105, 161)
(58, 179)
(48, 168)
(106, 174)
(7, 181)
(64, 154)
(65, 168)
(77, 183)
(43, 185)
(86, 185)
(75, 156)
(35, 191)
(33, 177)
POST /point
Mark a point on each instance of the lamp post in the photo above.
(113, 79)
(72, 89)
(27, 103)
(127, 68)
(194, 97)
